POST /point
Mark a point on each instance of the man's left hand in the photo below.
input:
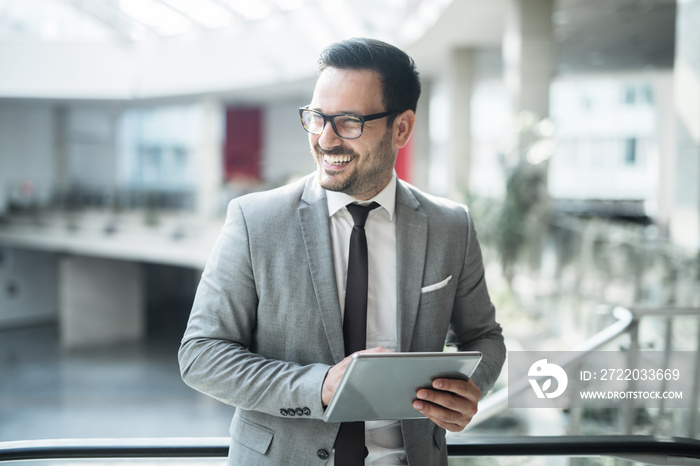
(451, 405)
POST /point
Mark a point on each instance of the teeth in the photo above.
(337, 159)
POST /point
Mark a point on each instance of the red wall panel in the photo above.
(243, 145)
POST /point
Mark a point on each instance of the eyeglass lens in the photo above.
(345, 126)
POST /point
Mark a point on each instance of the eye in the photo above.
(313, 120)
(316, 119)
(348, 122)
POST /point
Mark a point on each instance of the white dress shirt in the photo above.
(383, 438)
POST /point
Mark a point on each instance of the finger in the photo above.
(336, 372)
(448, 426)
(466, 389)
(453, 409)
(448, 406)
(437, 415)
(332, 380)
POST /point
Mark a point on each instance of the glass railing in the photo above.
(644, 449)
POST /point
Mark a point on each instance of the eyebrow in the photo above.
(344, 112)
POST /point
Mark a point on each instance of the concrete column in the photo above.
(528, 60)
(685, 218)
(60, 156)
(209, 160)
(101, 301)
(665, 166)
(421, 135)
(460, 86)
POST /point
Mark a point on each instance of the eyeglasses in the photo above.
(347, 126)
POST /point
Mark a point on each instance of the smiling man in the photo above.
(274, 323)
(357, 155)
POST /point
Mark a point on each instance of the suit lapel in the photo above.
(315, 229)
(411, 247)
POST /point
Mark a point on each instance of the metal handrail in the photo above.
(627, 322)
(65, 449)
(649, 447)
(577, 445)
(495, 402)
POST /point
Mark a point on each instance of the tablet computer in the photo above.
(382, 386)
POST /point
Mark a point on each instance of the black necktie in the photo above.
(350, 444)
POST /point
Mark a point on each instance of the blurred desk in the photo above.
(100, 277)
(174, 241)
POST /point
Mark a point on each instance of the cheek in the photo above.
(313, 142)
(356, 149)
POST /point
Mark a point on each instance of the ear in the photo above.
(403, 127)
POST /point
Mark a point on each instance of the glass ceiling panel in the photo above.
(250, 9)
(158, 16)
(289, 4)
(137, 20)
(47, 20)
(207, 13)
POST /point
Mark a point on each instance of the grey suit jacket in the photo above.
(265, 326)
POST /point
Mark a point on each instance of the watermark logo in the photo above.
(548, 371)
(601, 379)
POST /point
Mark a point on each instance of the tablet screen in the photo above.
(382, 386)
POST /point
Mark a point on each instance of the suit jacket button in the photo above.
(307, 412)
(283, 412)
(291, 412)
(322, 454)
(300, 412)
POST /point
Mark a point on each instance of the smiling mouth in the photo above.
(337, 160)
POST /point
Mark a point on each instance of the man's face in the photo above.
(359, 167)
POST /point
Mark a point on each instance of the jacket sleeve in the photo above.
(474, 325)
(217, 354)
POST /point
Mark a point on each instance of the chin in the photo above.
(330, 183)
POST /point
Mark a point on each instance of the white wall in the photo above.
(53, 145)
(90, 145)
(28, 286)
(46, 146)
(593, 121)
(26, 150)
(286, 150)
(685, 217)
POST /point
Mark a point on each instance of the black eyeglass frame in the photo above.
(326, 118)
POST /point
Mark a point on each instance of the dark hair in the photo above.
(399, 77)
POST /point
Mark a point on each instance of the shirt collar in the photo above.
(386, 198)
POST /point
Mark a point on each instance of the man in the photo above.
(266, 329)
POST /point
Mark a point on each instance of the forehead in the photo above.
(340, 90)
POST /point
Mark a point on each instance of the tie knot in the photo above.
(360, 212)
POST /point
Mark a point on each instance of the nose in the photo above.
(328, 139)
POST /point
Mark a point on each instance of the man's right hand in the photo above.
(335, 374)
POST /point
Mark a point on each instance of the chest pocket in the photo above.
(436, 291)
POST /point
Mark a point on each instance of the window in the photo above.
(630, 151)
